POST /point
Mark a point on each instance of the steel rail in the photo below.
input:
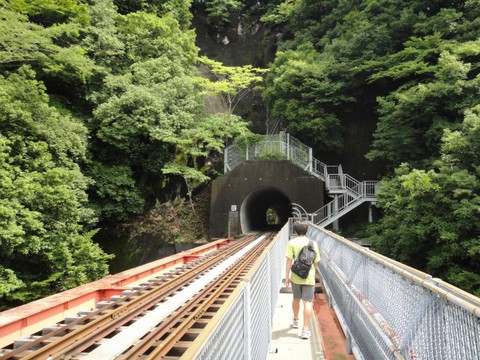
(100, 322)
(80, 334)
(186, 316)
(201, 303)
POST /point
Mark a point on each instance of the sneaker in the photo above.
(305, 334)
(295, 323)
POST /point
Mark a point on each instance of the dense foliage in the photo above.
(107, 110)
(431, 216)
(45, 242)
(414, 66)
(101, 113)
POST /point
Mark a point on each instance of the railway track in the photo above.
(160, 320)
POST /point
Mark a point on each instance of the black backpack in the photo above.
(303, 263)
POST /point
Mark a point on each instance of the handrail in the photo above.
(363, 191)
(390, 311)
(299, 212)
(280, 146)
(348, 192)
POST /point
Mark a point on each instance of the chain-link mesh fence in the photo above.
(244, 330)
(390, 311)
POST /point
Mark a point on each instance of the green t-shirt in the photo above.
(294, 246)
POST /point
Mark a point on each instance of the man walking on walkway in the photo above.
(303, 289)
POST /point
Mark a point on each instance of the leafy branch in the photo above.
(231, 83)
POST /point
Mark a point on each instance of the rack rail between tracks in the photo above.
(242, 329)
(177, 335)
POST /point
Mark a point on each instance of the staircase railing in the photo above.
(340, 205)
(348, 192)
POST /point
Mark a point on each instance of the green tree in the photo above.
(231, 83)
(219, 11)
(51, 12)
(196, 145)
(413, 117)
(147, 36)
(378, 59)
(102, 41)
(145, 96)
(158, 106)
(179, 9)
(430, 217)
(137, 116)
(281, 13)
(44, 214)
(115, 194)
(51, 46)
(301, 89)
(22, 42)
(206, 137)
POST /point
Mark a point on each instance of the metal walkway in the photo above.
(286, 343)
(347, 192)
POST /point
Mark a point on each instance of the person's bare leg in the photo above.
(296, 308)
(307, 313)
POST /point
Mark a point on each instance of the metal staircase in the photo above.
(347, 192)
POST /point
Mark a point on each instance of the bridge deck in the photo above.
(286, 343)
(327, 340)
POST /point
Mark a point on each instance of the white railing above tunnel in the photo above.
(348, 192)
(390, 311)
(273, 147)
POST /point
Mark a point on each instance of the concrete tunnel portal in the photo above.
(263, 209)
(262, 192)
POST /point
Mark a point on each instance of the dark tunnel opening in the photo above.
(264, 209)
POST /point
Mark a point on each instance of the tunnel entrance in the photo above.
(262, 192)
(265, 208)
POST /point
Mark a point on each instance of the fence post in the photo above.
(288, 146)
(348, 345)
(310, 159)
(334, 211)
(225, 161)
(233, 221)
(247, 333)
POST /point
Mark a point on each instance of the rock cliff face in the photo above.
(244, 41)
(248, 41)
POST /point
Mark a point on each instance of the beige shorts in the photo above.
(304, 292)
